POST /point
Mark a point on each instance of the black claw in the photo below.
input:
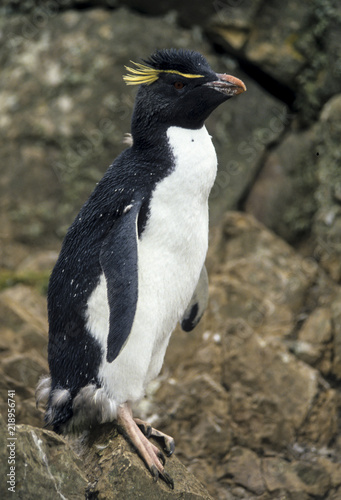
(155, 472)
(169, 447)
(161, 457)
(163, 475)
(146, 429)
(168, 443)
(167, 479)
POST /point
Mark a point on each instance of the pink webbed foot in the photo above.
(137, 433)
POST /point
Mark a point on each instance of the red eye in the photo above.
(179, 85)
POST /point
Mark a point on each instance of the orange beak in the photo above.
(227, 84)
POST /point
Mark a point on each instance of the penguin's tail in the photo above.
(74, 413)
(58, 404)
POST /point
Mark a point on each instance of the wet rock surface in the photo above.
(251, 396)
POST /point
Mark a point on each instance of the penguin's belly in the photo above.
(171, 253)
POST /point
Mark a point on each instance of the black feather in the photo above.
(185, 61)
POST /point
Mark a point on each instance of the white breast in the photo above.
(171, 253)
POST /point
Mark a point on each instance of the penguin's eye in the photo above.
(179, 85)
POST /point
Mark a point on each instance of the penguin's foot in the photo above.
(149, 431)
(150, 454)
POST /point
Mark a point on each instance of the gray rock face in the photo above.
(295, 43)
(297, 191)
(282, 196)
(327, 220)
(45, 466)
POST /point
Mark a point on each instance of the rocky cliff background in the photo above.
(252, 396)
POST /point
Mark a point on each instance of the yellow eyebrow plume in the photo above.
(146, 74)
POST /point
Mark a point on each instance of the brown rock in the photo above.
(23, 352)
(336, 322)
(317, 329)
(244, 467)
(295, 477)
(245, 254)
(45, 465)
(20, 304)
(314, 344)
(321, 425)
(25, 369)
(229, 392)
(107, 467)
(40, 261)
(115, 471)
(271, 392)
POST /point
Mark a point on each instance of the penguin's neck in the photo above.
(194, 158)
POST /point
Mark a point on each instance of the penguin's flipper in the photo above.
(198, 303)
(118, 259)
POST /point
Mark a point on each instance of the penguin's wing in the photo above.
(198, 303)
(118, 259)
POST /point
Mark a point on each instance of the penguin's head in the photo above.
(178, 88)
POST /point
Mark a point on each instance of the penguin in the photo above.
(132, 264)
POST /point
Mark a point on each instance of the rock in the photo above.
(321, 424)
(336, 322)
(186, 15)
(271, 405)
(21, 305)
(297, 191)
(237, 401)
(25, 369)
(314, 344)
(115, 471)
(282, 195)
(317, 328)
(239, 151)
(47, 466)
(271, 54)
(244, 467)
(23, 349)
(295, 477)
(265, 36)
(232, 393)
(39, 261)
(327, 220)
(243, 289)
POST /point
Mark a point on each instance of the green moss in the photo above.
(37, 279)
(291, 43)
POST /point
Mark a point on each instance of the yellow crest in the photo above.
(146, 74)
